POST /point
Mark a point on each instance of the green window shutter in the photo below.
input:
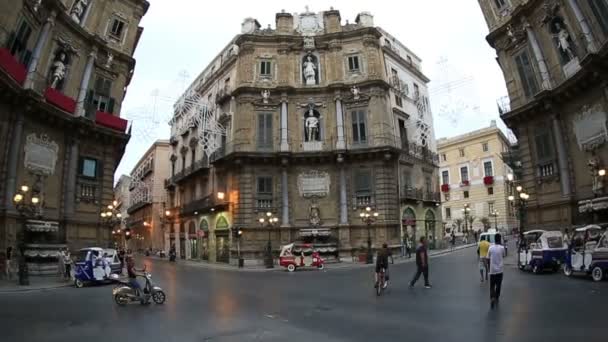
(261, 127)
(362, 133)
(111, 105)
(355, 126)
(268, 129)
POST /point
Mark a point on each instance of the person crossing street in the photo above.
(496, 254)
(422, 264)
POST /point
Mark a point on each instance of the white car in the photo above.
(490, 236)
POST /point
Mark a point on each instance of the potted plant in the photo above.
(488, 180)
(445, 187)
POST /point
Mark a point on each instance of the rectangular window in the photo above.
(193, 157)
(359, 133)
(445, 177)
(403, 133)
(485, 147)
(117, 28)
(543, 142)
(394, 77)
(464, 174)
(407, 179)
(398, 100)
(353, 63)
(444, 157)
(265, 130)
(183, 162)
(491, 208)
(461, 152)
(88, 167)
(600, 10)
(500, 3)
(264, 186)
(526, 74)
(18, 42)
(428, 183)
(172, 168)
(416, 91)
(363, 187)
(265, 68)
(100, 95)
(490, 190)
(465, 194)
(487, 169)
(448, 213)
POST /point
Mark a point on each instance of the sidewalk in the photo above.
(36, 284)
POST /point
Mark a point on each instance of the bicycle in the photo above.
(382, 280)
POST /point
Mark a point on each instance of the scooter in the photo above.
(124, 294)
(172, 255)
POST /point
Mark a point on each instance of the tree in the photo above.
(471, 219)
(459, 223)
(486, 223)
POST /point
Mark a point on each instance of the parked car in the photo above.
(490, 236)
(541, 250)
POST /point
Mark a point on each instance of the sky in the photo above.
(182, 36)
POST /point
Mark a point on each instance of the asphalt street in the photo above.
(331, 305)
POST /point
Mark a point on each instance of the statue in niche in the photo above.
(312, 125)
(310, 70)
(355, 91)
(58, 70)
(594, 169)
(314, 214)
(563, 40)
(78, 10)
(265, 95)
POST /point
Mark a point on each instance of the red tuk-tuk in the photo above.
(292, 262)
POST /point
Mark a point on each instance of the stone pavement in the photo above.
(36, 284)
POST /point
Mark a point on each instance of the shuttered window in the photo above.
(264, 130)
(264, 186)
(526, 74)
(353, 63)
(487, 168)
(363, 182)
(265, 68)
(359, 133)
(544, 143)
(600, 10)
(18, 42)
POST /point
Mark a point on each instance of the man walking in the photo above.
(496, 254)
(7, 262)
(482, 251)
(422, 264)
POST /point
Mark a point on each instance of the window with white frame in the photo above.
(500, 4)
(464, 174)
(117, 29)
(266, 68)
(445, 177)
(491, 208)
(353, 64)
(461, 152)
(487, 168)
(485, 147)
(448, 213)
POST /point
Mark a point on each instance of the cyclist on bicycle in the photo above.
(382, 263)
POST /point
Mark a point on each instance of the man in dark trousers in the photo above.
(496, 254)
(422, 264)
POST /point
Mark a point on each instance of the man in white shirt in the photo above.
(496, 254)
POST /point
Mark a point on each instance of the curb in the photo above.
(22, 290)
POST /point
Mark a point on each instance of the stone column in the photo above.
(13, 162)
(562, 157)
(340, 143)
(177, 240)
(84, 83)
(42, 39)
(343, 203)
(540, 59)
(70, 189)
(582, 21)
(284, 141)
(285, 196)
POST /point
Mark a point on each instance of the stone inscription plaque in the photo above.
(40, 154)
(313, 184)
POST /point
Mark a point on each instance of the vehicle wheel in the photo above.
(158, 297)
(555, 268)
(322, 266)
(291, 267)
(121, 299)
(536, 269)
(522, 267)
(78, 283)
(567, 270)
(597, 273)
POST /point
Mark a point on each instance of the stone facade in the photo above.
(147, 198)
(64, 69)
(311, 122)
(472, 172)
(552, 54)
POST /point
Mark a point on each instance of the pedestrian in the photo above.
(453, 240)
(7, 262)
(484, 262)
(121, 258)
(422, 264)
(496, 254)
(409, 248)
(67, 262)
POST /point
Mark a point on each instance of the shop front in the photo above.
(204, 239)
(222, 240)
(192, 241)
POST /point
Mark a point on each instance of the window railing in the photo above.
(364, 199)
(264, 202)
(546, 169)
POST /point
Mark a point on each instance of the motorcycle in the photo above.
(124, 293)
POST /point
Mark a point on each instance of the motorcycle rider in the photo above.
(132, 274)
(382, 263)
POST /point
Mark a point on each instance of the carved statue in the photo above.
(265, 95)
(78, 10)
(597, 180)
(37, 4)
(309, 42)
(59, 69)
(310, 71)
(564, 41)
(312, 125)
(355, 91)
(315, 214)
(109, 60)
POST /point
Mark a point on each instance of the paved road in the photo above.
(332, 305)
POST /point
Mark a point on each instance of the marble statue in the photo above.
(265, 95)
(58, 69)
(564, 41)
(315, 214)
(355, 91)
(310, 71)
(109, 60)
(78, 10)
(312, 125)
(597, 180)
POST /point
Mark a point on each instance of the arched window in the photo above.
(409, 217)
(222, 223)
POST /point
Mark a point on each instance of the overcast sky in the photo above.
(182, 36)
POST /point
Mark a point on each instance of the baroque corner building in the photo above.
(554, 55)
(310, 122)
(64, 70)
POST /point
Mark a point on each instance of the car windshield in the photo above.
(555, 242)
(488, 237)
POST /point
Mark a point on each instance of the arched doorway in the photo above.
(408, 221)
(429, 228)
(204, 243)
(222, 236)
(193, 241)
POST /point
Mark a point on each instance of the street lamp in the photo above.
(495, 214)
(269, 221)
(369, 216)
(111, 216)
(29, 205)
(520, 203)
(466, 210)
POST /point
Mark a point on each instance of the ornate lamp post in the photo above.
(520, 201)
(28, 203)
(369, 216)
(466, 211)
(270, 221)
(111, 217)
(495, 214)
(165, 218)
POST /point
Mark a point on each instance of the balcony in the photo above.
(362, 200)
(203, 205)
(138, 205)
(432, 197)
(200, 165)
(60, 100)
(422, 153)
(12, 66)
(409, 193)
(264, 203)
(111, 121)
